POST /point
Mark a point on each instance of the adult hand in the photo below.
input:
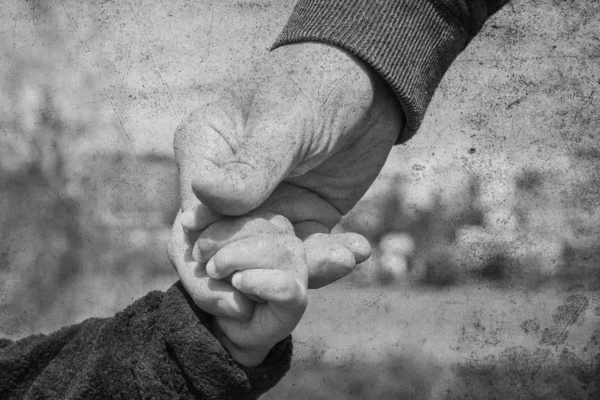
(305, 137)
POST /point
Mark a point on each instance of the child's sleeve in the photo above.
(160, 347)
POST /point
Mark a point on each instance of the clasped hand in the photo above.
(299, 142)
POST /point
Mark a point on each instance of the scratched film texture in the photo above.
(485, 281)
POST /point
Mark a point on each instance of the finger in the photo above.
(271, 147)
(278, 220)
(229, 230)
(257, 252)
(331, 257)
(301, 205)
(214, 297)
(357, 244)
(280, 288)
(198, 217)
(327, 260)
(218, 298)
(209, 132)
(241, 184)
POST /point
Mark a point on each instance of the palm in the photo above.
(330, 190)
(345, 177)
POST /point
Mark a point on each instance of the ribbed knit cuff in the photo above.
(410, 43)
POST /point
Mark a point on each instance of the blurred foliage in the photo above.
(440, 238)
(75, 218)
(516, 373)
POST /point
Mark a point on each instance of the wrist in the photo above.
(324, 67)
(248, 356)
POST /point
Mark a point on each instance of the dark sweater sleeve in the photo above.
(410, 43)
(160, 347)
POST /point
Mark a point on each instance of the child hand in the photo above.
(212, 296)
(262, 258)
(329, 257)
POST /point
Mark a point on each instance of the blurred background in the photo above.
(485, 278)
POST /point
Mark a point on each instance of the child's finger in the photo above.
(257, 252)
(357, 244)
(219, 298)
(278, 287)
(328, 260)
(230, 230)
(278, 220)
(214, 297)
(331, 257)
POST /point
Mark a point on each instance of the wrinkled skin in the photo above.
(304, 138)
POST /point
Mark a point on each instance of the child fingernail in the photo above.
(196, 253)
(187, 219)
(211, 269)
(360, 247)
(236, 280)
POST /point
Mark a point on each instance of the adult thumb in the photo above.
(264, 151)
(243, 182)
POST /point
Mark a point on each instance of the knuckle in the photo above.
(256, 225)
(292, 242)
(296, 295)
(278, 223)
(290, 294)
(286, 253)
(292, 249)
(318, 238)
